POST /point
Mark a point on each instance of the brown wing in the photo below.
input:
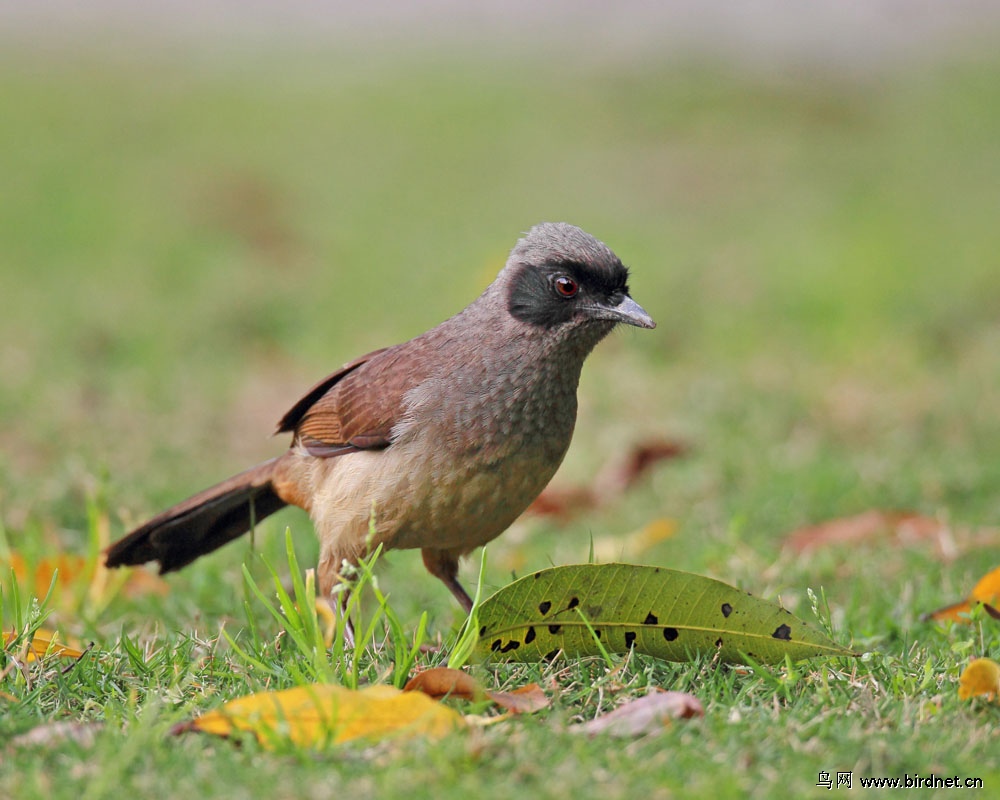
(355, 407)
(295, 414)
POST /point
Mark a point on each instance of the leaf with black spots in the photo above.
(673, 615)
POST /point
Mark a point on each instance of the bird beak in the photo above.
(629, 312)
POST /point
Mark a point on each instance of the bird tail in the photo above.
(201, 523)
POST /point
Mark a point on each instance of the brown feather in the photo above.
(202, 523)
(356, 407)
(295, 414)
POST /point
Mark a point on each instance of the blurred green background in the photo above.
(194, 229)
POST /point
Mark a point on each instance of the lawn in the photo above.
(187, 244)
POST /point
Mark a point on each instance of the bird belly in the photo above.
(459, 510)
(408, 496)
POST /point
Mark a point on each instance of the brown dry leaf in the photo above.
(523, 700)
(645, 715)
(55, 733)
(439, 682)
(42, 643)
(325, 714)
(980, 677)
(564, 503)
(986, 591)
(619, 478)
(902, 526)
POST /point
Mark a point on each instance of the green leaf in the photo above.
(590, 609)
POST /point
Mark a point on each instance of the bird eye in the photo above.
(566, 287)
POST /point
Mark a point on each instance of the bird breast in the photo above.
(479, 451)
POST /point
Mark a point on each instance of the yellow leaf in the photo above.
(78, 578)
(43, 643)
(637, 543)
(652, 533)
(982, 676)
(39, 576)
(325, 714)
(986, 591)
(988, 588)
(326, 614)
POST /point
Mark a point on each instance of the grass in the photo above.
(185, 247)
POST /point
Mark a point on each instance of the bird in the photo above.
(438, 443)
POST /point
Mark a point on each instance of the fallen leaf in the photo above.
(980, 677)
(322, 715)
(42, 643)
(38, 576)
(523, 700)
(902, 526)
(590, 609)
(610, 548)
(985, 592)
(616, 479)
(439, 682)
(645, 715)
(51, 734)
(564, 503)
(327, 616)
(77, 577)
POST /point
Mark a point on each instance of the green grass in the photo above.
(185, 247)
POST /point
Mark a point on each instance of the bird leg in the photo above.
(336, 593)
(443, 565)
(345, 596)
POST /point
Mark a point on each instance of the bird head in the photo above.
(561, 276)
